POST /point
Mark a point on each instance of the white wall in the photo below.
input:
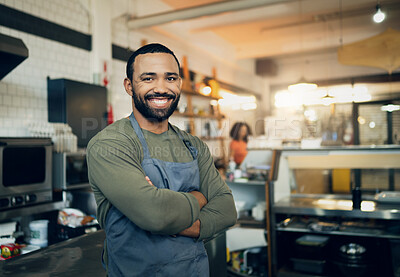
(23, 92)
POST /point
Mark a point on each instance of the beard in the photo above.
(153, 114)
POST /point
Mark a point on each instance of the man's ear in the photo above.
(128, 86)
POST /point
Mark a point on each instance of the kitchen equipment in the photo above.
(311, 247)
(356, 194)
(12, 52)
(354, 260)
(388, 197)
(70, 171)
(82, 106)
(309, 266)
(25, 171)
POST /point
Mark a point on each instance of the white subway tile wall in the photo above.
(23, 92)
(120, 100)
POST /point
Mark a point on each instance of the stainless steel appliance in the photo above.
(25, 171)
(70, 171)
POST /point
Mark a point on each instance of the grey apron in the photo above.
(133, 251)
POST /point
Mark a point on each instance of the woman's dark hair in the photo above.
(234, 133)
(149, 48)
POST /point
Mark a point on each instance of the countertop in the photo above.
(336, 205)
(79, 256)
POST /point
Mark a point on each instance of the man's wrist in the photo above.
(200, 198)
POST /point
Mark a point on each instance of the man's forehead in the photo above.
(155, 62)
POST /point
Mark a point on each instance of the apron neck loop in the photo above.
(140, 135)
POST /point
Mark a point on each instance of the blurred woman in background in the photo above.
(238, 146)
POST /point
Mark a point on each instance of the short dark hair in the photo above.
(234, 133)
(149, 48)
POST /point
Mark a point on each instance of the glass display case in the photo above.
(332, 195)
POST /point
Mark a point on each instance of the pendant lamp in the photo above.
(302, 85)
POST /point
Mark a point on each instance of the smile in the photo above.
(159, 102)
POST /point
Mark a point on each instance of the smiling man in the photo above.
(157, 190)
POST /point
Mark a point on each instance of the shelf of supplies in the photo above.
(232, 273)
(212, 138)
(334, 207)
(212, 116)
(288, 272)
(194, 93)
(250, 222)
(247, 183)
(30, 210)
(360, 233)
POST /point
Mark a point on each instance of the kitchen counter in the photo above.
(79, 256)
(335, 205)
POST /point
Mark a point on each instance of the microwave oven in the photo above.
(25, 171)
(70, 171)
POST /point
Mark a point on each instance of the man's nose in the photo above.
(160, 86)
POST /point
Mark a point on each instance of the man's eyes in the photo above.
(150, 79)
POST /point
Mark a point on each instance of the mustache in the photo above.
(160, 95)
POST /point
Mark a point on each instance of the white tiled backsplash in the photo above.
(23, 92)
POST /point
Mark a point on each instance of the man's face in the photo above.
(156, 85)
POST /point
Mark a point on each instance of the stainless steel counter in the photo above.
(80, 256)
(34, 209)
(336, 207)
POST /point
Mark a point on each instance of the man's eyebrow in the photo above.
(171, 74)
(147, 74)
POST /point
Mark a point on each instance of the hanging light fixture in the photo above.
(302, 85)
(379, 16)
(327, 99)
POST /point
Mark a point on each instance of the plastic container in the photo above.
(39, 229)
(309, 266)
(311, 247)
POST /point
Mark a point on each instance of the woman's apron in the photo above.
(132, 251)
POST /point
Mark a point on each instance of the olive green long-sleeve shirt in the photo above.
(114, 159)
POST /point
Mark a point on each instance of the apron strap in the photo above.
(193, 150)
(140, 135)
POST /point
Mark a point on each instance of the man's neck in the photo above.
(156, 127)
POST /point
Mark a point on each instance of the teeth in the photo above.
(159, 101)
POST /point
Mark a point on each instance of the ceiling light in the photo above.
(379, 16)
(302, 85)
(206, 90)
(390, 108)
(327, 100)
(372, 125)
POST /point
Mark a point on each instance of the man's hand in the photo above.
(200, 198)
(193, 231)
(148, 180)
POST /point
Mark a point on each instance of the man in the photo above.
(157, 191)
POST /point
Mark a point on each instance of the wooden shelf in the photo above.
(212, 138)
(286, 271)
(190, 92)
(217, 117)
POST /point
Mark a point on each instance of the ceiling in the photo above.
(273, 28)
(270, 29)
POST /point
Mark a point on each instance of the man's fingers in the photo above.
(148, 180)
